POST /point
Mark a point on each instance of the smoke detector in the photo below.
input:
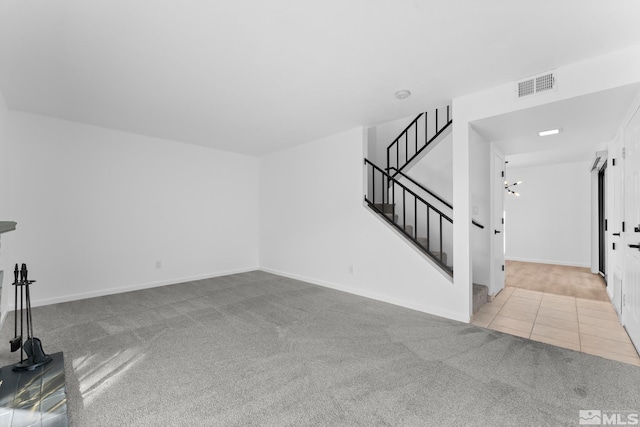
(544, 82)
(403, 94)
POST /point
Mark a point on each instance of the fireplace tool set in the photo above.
(32, 346)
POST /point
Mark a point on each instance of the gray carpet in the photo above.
(259, 349)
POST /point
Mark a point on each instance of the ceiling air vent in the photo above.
(526, 87)
(536, 84)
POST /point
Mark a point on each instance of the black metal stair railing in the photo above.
(422, 223)
(434, 195)
(413, 140)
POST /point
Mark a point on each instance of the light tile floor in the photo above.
(580, 324)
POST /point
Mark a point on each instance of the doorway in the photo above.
(578, 120)
(602, 222)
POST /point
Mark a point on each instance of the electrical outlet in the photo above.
(158, 265)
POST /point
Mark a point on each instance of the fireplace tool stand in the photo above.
(32, 346)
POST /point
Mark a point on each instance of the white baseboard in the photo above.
(547, 261)
(436, 311)
(129, 288)
(344, 288)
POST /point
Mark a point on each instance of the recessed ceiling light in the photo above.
(403, 94)
(549, 132)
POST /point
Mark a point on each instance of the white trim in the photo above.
(547, 261)
(609, 290)
(595, 225)
(436, 311)
(497, 279)
(130, 288)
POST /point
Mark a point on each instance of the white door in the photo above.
(631, 234)
(497, 222)
(614, 222)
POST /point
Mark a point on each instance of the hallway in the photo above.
(563, 306)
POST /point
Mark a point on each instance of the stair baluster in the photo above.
(387, 207)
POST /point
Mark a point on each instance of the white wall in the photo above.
(4, 207)
(434, 172)
(314, 227)
(385, 134)
(551, 220)
(3, 159)
(97, 208)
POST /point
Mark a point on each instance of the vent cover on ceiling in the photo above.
(536, 84)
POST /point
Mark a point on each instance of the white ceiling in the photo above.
(256, 76)
(587, 122)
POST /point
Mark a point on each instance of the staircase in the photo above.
(480, 296)
(419, 214)
(423, 242)
(426, 227)
(423, 224)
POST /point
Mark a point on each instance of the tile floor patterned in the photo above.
(581, 324)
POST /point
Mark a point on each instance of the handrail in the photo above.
(390, 178)
(390, 186)
(409, 160)
(407, 128)
(440, 199)
(405, 134)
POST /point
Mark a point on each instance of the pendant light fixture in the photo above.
(507, 186)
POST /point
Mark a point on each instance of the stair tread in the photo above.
(384, 207)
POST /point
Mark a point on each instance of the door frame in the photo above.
(615, 216)
(602, 221)
(497, 170)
